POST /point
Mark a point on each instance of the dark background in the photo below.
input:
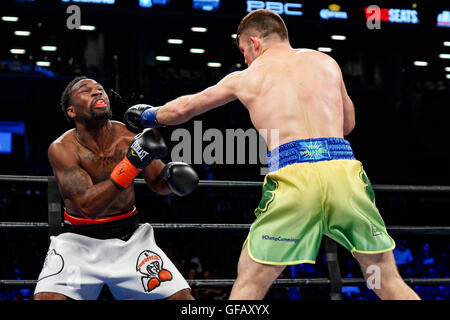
(402, 110)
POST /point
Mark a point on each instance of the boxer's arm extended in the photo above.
(186, 107)
(76, 185)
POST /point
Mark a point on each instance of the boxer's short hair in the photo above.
(263, 21)
(67, 94)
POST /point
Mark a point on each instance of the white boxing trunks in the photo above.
(78, 266)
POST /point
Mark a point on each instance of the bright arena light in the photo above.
(214, 64)
(43, 63)
(338, 37)
(22, 33)
(174, 41)
(87, 28)
(420, 63)
(49, 48)
(197, 50)
(10, 19)
(17, 51)
(199, 29)
(162, 58)
(324, 49)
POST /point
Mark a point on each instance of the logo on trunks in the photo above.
(150, 265)
(368, 186)
(314, 151)
(375, 231)
(279, 238)
(53, 265)
(270, 185)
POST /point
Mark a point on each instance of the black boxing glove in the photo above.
(132, 117)
(181, 178)
(141, 116)
(144, 148)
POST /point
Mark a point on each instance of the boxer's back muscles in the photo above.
(299, 92)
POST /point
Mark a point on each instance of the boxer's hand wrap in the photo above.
(181, 178)
(124, 173)
(145, 147)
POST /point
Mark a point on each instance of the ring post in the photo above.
(54, 208)
(334, 271)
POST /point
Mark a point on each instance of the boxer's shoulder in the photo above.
(66, 141)
(64, 149)
(64, 144)
(120, 130)
(117, 125)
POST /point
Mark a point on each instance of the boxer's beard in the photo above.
(104, 115)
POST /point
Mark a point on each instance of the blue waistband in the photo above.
(309, 150)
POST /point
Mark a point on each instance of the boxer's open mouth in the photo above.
(100, 103)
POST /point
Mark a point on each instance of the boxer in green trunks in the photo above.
(315, 186)
(332, 197)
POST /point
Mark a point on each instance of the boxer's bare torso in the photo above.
(90, 165)
(298, 91)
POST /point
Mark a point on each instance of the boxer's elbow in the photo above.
(90, 209)
(89, 212)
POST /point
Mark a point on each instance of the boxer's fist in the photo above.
(144, 148)
(132, 117)
(181, 178)
(141, 116)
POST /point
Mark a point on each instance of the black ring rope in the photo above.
(422, 230)
(279, 283)
(225, 183)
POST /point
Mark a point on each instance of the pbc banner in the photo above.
(288, 8)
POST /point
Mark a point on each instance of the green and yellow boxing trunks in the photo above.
(315, 187)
